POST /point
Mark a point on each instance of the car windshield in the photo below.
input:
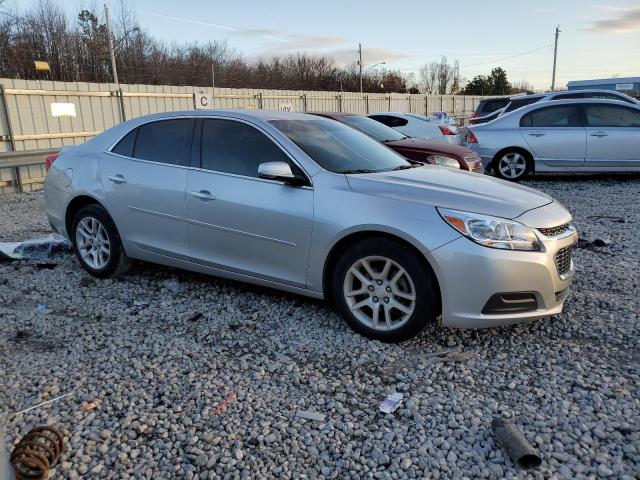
(374, 129)
(339, 148)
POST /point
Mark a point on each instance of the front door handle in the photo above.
(599, 134)
(536, 134)
(204, 195)
(117, 179)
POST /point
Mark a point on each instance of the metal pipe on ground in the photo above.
(516, 445)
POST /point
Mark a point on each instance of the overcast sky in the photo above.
(599, 38)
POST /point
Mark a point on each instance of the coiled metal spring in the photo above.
(36, 453)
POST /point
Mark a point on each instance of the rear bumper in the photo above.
(485, 154)
(470, 275)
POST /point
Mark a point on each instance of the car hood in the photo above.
(450, 188)
(430, 146)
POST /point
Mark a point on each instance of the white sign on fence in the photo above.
(63, 109)
(204, 101)
(285, 107)
(624, 86)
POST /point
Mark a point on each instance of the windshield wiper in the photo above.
(405, 167)
(358, 170)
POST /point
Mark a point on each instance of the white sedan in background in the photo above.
(419, 126)
(586, 135)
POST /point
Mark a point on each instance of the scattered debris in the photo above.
(36, 453)
(391, 403)
(42, 308)
(608, 217)
(23, 335)
(307, 415)
(172, 285)
(195, 317)
(46, 265)
(128, 301)
(38, 248)
(140, 303)
(519, 449)
(589, 245)
(223, 405)
(91, 405)
(43, 403)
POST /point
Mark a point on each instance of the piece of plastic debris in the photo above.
(172, 285)
(140, 303)
(223, 405)
(307, 415)
(37, 248)
(41, 308)
(86, 406)
(128, 301)
(195, 317)
(513, 441)
(391, 403)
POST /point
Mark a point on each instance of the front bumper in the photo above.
(470, 274)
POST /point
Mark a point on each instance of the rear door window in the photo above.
(557, 116)
(611, 116)
(165, 141)
(126, 145)
(493, 105)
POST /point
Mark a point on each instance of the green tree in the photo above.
(499, 83)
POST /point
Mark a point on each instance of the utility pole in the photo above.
(360, 64)
(555, 56)
(114, 71)
(213, 77)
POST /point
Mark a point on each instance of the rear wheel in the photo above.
(97, 243)
(512, 165)
(384, 290)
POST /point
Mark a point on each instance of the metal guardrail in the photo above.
(27, 158)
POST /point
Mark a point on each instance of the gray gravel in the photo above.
(218, 396)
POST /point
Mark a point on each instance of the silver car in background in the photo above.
(588, 135)
(312, 206)
(420, 126)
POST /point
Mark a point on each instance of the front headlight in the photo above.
(492, 232)
(443, 161)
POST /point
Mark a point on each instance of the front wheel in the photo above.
(512, 166)
(385, 291)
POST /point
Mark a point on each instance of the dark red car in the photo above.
(424, 151)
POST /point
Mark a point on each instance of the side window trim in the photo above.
(278, 145)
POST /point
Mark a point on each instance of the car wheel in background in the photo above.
(512, 165)
(384, 290)
(97, 243)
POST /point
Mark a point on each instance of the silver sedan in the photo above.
(587, 135)
(312, 206)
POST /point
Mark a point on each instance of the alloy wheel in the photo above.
(93, 243)
(380, 293)
(512, 165)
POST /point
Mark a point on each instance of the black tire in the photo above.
(118, 263)
(427, 299)
(500, 158)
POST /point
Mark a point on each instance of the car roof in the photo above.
(264, 115)
(334, 114)
(533, 95)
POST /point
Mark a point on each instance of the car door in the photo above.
(144, 177)
(555, 135)
(613, 135)
(242, 223)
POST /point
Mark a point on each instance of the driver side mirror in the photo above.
(278, 171)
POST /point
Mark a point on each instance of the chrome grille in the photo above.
(563, 260)
(554, 231)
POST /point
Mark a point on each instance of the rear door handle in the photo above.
(117, 179)
(204, 195)
(536, 134)
(599, 134)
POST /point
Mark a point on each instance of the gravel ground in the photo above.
(217, 396)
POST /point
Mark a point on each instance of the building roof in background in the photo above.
(603, 81)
